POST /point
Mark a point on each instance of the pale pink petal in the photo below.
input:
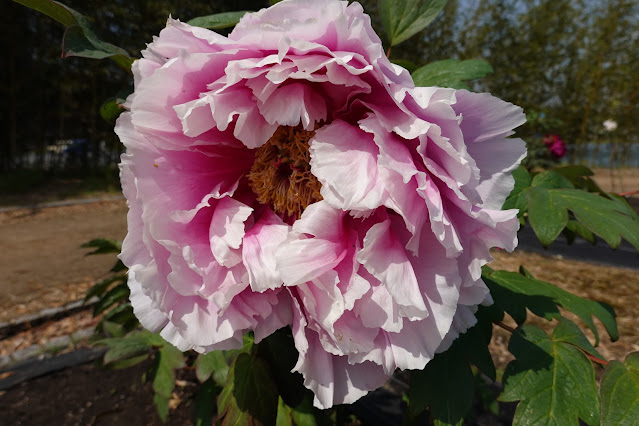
(227, 230)
(344, 159)
(258, 251)
(384, 257)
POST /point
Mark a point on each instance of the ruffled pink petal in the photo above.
(344, 160)
(383, 255)
(258, 251)
(226, 230)
(331, 378)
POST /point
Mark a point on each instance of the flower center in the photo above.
(281, 174)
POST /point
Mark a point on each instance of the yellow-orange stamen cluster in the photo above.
(281, 174)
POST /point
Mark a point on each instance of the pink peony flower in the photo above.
(556, 146)
(291, 175)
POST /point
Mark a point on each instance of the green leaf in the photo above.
(167, 359)
(547, 217)
(403, 19)
(474, 343)
(124, 348)
(162, 406)
(119, 267)
(113, 296)
(102, 246)
(445, 385)
(278, 350)
(218, 21)
(128, 362)
(111, 109)
(209, 364)
(554, 380)
(451, 73)
(284, 414)
(518, 197)
(79, 39)
(581, 230)
(551, 179)
(249, 395)
(120, 313)
(205, 403)
(567, 331)
(550, 200)
(100, 288)
(574, 170)
(619, 392)
(254, 389)
(605, 218)
(112, 329)
(514, 293)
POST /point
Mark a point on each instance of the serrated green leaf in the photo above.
(623, 206)
(116, 294)
(514, 293)
(209, 364)
(218, 20)
(205, 403)
(79, 38)
(604, 217)
(403, 19)
(554, 380)
(103, 246)
(547, 217)
(445, 385)
(100, 288)
(567, 331)
(451, 73)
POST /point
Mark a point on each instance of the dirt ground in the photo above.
(618, 180)
(42, 262)
(95, 396)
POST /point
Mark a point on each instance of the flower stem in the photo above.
(504, 326)
(595, 359)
